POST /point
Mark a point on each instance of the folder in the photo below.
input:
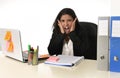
(115, 44)
(64, 60)
(103, 43)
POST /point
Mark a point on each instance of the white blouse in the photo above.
(67, 48)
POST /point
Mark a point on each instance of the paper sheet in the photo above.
(10, 47)
(7, 35)
(116, 28)
(103, 27)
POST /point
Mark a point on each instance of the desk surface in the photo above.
(10, 68)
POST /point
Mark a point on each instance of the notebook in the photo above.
(11, 44)
(64, 60)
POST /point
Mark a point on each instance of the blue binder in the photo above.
(115, 44)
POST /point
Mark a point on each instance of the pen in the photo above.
(37, 48)
(29, 47)
(32, 50)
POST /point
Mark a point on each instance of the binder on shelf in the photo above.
(115, 44)
(64, 60)
(103, 43)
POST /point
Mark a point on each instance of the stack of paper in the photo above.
(65, 60)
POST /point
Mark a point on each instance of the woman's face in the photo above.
(66, 21)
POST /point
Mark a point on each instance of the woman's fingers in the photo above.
(60, 26)
(73, 25)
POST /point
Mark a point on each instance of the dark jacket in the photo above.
(81, 43)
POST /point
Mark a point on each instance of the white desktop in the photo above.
(10, 68)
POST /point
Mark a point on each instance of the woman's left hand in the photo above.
(73, 25)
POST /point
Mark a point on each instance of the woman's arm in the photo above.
(80, 42)
(56, 43)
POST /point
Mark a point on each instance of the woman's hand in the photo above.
(60, 26)
(73, 25)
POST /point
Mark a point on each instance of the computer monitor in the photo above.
(11, 44)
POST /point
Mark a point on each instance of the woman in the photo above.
(69, 37)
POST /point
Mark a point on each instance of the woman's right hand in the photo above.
(73, 25)
(60, 26)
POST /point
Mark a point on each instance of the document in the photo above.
(116, 28)
(65, 60)
(103, 27)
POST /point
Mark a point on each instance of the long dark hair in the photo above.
(64, 11)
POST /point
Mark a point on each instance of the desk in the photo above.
(10, 68)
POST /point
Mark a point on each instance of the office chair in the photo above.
(91, 30)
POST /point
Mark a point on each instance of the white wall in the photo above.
(115, 9)
(35, 17)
